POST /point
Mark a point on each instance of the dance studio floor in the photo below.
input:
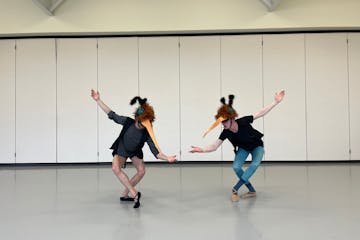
(181, 201)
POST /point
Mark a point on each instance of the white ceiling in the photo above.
(49, 6)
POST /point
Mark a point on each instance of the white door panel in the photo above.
(35, 101)
(285, 125)
(7, 101)
(77, 114)
(354, 96)
(327, 97)
(199, 94)
(118, 84)
(159, 83)
(241, 75)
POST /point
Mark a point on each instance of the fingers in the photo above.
(279, 95)
(193, 149)
(172, 158)
(282, 92)
(95, 94)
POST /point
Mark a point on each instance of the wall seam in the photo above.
(306, 104)
(15, 76)
(56, 103)
(348, 93)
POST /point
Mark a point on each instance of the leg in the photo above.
(257, 155)
(121, 175)
(140, 172)
(251, 193)
(140, 168)
(240, 158)
(239, 161)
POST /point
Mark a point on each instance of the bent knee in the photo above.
(237, 169)
(141, 172)
(116, 170)
(254, 165)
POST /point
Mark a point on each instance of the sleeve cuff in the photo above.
(111, 114)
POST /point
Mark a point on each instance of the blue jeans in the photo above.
(240, 158)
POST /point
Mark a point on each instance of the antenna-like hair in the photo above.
(222, 100)
(231, 99)
(140, 100)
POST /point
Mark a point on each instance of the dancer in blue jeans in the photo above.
(245, 139)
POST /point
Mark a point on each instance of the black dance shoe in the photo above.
(137, 200)
(126, 199)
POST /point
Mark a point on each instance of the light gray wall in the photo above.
(184, 77)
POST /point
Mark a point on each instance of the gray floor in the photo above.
(181, 201)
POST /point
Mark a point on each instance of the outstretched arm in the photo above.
(157, 152)
(209, 148)
(277, 99)
(96, 96)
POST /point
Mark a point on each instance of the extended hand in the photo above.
(171, 158)
(196, 149)
(95, 94)
(279, 96)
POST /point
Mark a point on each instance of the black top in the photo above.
(130, 142)
(246, 137)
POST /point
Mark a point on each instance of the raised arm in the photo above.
(277, 99)
(210, 148)
(96, 96)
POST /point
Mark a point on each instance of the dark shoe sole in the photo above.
(126, 199)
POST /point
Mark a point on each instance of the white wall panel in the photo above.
(7, 101)
(118, 84)
(35, 101)
(241, 75)
(159, 82)
(327, 97)
(354, 96)
(199, 94)
(77, 115)
(285, 125)
(319, 73)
